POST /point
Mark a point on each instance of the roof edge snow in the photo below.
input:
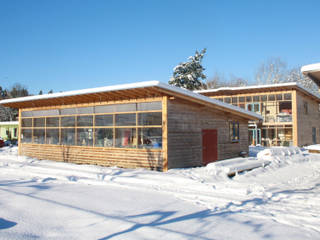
(136, 85)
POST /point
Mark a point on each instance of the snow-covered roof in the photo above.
(313, 71)
(277, 85)
(137, 85)
(9, 123)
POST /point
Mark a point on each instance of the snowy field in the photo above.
(52, 200)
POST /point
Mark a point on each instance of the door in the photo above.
(209, 146)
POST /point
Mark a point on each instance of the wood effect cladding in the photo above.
(126, 158)
(185, 124)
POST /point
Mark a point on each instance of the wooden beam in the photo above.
(165, 133)
(295, 118)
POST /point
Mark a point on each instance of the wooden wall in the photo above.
(185, 124)
(127, 158)
(305, 122)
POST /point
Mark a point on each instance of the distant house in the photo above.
(9, 130)
(148, 124)
(291, 113)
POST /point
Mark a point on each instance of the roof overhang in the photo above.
(259, 89)
(124, 92)
(313, 72)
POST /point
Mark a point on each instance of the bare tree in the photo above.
(272, 71)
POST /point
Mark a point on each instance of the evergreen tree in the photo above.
(40, 92)
(189, 75)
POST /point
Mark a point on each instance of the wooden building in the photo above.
(9, 130)
(148, 124)
(290, 112)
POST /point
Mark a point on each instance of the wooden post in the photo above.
(295, 118)
(165, 132)
(19, 133)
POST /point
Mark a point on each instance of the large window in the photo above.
(133, 125)
(234, 131)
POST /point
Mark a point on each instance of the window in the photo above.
(104, 120)
(287, 96)
(150, 138)
(84, 137)
(125, 137)
(271, 97)
(38, 136)
(227, 100)
(26, 135)
(241, 99)
(248, 98)
(256, 98)
(234, 100)
(84, 121)
(52, 136)
(27, 122)
(264, 98)
(38, 122)
(253, 107)
(126, 119)
(152, 118)
(68, 136)
(314, 135)
(234, 131)
(130, 125)
(103, 137)
(279, 96)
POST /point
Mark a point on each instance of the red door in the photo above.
(209, 146)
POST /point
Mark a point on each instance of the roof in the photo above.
(121, 92)
(9, 123)
(312, 71)
(259, 88)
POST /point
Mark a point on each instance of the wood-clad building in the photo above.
(148, 124)
(290, 112)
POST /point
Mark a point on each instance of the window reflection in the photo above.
(52, 136)
(67, 136)
(125, 137)
(104, 137)
(150, 138)
(84, 137)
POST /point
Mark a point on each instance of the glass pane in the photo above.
(38, 122)
(220, 99)
(85, 121)
(256, 107)
(86, 110)
(248, 98)
(84, 137)
(104, 120)
(26, 114)
(26, 135)
(148, 106)
(241, 99)
(126, 119)
(67, 136)
(105, 109)
(52, 136)
(264, 98)
(152, 118)
(242, 106)
(38, 136)
(279, 96)
(104, 137)
(39, 113)
(271, 97)
(27, 122)
(125, 137)
(129, 107)
(68, 111)
(287, 96)
(249, 107)
(67, 122)
(53, 122)
(150, 138)
(227, 100)
(256, 98)
(234, 100)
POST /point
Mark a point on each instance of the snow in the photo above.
(287, 84)
(313, 147)
(9, 123)
(310, 68)
(128, 86)
(56, 200)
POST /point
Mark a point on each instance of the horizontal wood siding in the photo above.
(305, 122)
(185, 124)
(126, 158)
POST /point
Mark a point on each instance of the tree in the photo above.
(272, 71)
(51, 91)
(40, 92)
(189, 75)
(295, 75)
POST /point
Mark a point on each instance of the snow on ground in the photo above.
(54, 200)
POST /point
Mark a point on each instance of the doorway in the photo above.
(209, 146)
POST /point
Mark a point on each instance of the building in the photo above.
(148, 124)
(9, 130)
(290, 112)
(313, 72)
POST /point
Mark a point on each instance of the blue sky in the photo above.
(69, 45)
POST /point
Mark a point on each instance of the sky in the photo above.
(70, 45)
